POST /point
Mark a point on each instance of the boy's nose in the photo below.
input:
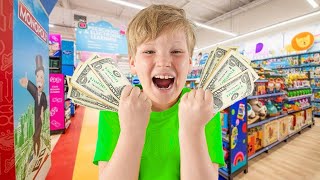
(164, 61)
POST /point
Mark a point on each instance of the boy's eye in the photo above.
(148, 52)
(176, 51)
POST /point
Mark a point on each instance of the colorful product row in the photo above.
(300, 92)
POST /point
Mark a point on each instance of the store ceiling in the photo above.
(237, 16)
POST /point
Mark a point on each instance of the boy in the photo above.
(166, 132)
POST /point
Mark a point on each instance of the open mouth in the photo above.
(163, 81)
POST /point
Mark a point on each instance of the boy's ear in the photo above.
(132, 65)
(190, 65)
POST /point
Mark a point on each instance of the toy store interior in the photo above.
(274, 133)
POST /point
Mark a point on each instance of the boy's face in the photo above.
(162, 66)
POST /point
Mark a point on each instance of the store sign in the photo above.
(31, 22)
(101, 37)
(56, 101)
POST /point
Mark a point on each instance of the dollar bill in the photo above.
(234, 90)
(230, 66)
(82, 99)
(218, 54)
(205, 68)
(87, 82)
(108, 73)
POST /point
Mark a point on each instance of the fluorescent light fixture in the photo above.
(135, 6)
(313, 3)
(51, 25)
(124, 3)
(263, 29)
(214, 29)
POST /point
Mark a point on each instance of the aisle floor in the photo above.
(298, 159)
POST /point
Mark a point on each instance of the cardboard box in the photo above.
(270, 133)
(308, 116)
(292, 124)
(299, 118)
(283, 128)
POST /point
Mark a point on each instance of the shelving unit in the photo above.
(234, 140)
(299, 97)
(267, 95)
(266, 121)
(298, 88)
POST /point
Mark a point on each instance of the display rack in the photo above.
(234, 139)
(290, 121)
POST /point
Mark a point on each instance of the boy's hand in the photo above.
(134, 111)
(195, 110)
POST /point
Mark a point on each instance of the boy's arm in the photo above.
(195, 159)
(134, 114)
(195, 111)
(125, 161)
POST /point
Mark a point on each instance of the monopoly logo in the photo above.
(30, 21)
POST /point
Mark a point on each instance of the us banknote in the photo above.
(86, 81)
(109, 75)
(232, 91)
(230, 66)
(82, 99)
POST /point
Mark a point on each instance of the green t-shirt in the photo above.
(161, 153)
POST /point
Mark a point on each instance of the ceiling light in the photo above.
(214, 29)
(51, 25)
(124, 3)
(135, 6)
(313, 3)
(263, 29)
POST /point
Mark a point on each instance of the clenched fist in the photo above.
(195, 110)
(134, 110)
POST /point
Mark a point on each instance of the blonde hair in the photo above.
(149, 23)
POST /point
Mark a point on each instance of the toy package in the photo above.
(299, 119)
(308, 116)
(251, 142)
(283, 127)
(259, 137)
(270, 133)
(292, 124)
(256, 111)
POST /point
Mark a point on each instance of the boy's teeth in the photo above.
(164, 77)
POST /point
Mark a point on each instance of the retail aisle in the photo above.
(297, 159)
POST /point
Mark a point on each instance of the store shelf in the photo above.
(297, 88)
(223, 173)
(316, 100)
(193, 79)
(299, 97)
(266, 121)
(267, 95)
(303, 127)
(276, 143)
(261, 81)
(316, 113)
(304, 108)
(316, 88)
